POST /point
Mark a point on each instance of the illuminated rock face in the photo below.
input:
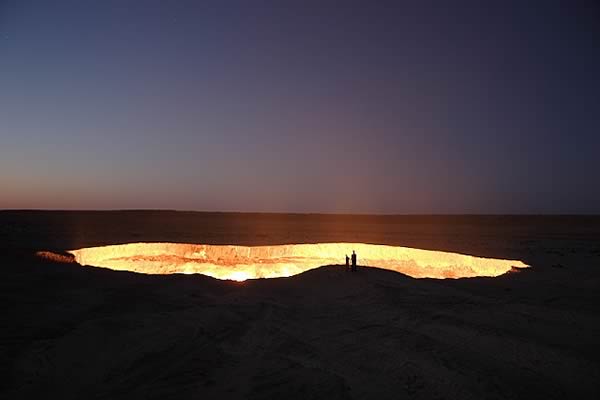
(242, 262)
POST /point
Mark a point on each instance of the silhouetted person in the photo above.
(347, 263)
(353, 261)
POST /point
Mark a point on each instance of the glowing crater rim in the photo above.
(250, 262)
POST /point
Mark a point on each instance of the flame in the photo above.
(242, 262)
(239, 276)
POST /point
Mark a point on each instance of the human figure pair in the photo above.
(353, 262)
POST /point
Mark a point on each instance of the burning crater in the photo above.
(243, 262)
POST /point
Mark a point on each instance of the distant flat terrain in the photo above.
(79, 332)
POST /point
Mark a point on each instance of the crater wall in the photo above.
(247, 262)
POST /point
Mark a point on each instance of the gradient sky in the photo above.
(370, 107)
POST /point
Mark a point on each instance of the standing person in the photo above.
(353, 261)
(347, 263)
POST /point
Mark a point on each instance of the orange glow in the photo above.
(241, 262)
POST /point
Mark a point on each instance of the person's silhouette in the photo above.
(347, 263)
(353, 261)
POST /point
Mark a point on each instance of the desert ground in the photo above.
(74, 332)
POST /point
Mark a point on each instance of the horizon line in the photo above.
(451, 214)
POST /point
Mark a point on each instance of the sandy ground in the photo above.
(79, 332)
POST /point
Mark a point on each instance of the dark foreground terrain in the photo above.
(73, 332)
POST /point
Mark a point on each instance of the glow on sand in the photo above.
(243, 262)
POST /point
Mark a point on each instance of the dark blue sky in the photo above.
(375, 107)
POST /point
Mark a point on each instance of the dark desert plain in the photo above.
(74, 332)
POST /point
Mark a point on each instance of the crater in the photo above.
(251, 262)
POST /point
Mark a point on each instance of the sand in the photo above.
(80, 332)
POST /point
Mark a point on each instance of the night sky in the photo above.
(364, 107)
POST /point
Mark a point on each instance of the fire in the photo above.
(240, 263)
(239, 276)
